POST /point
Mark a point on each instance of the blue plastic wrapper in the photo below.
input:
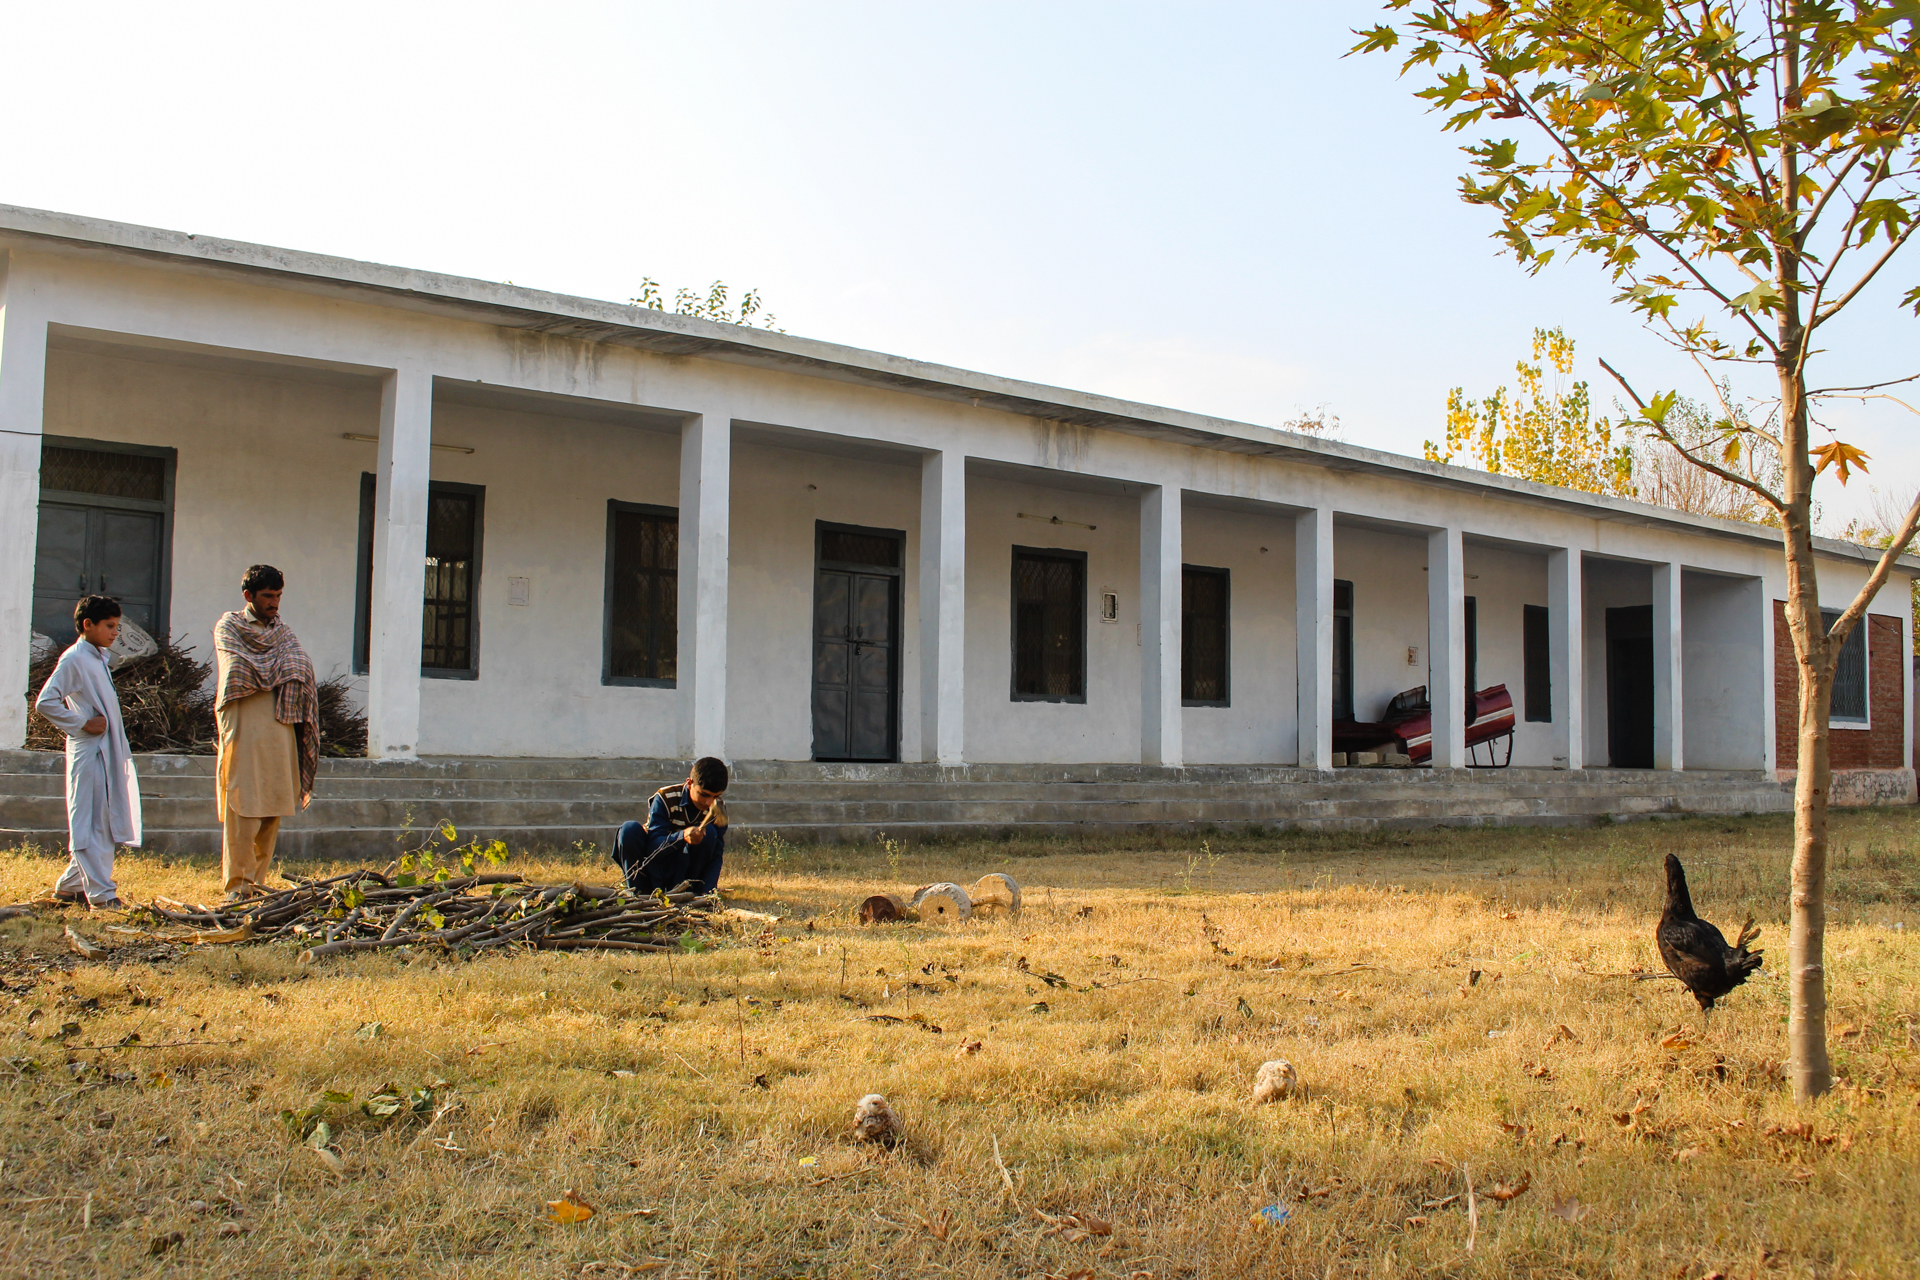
(1274, 1215)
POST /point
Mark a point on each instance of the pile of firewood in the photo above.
(468, 914)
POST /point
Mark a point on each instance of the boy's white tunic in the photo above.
(103, 791)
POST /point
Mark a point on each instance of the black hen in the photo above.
(1695, 951)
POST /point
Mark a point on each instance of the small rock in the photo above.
(874, 1121)
(1276, 1080)
(196, 1206)
(231, 1229)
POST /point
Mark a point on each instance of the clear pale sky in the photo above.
(1201, 205)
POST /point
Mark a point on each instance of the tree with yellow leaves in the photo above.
(1542, 433)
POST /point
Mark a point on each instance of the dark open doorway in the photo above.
(1630, 687)
(106, 514)
(856, 645)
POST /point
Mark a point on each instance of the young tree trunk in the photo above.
(1813, 654)
(1809, 1066)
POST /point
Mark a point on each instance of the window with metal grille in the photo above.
(450, 619)
(141, 476)
(1849, 674)
(453, 578)
(1203, 636)
(850, 546)
(1049, 625)
(1342, 649)
(643, 594)
(1536, 658)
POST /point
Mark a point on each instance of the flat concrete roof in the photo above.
(592, 320)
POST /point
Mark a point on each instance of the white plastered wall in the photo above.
(1106, 726)
(262, 477)
(779, 495)
(1503, 582)
(548, 479)
(1723, 691)
(1389, 576)
(1260, 724)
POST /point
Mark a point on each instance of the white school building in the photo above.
(545, 527)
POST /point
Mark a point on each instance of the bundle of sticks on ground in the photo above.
(367, 910)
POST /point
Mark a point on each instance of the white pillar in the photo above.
(1447, 647)
(399, 564)
(23, 381)
(1567, 649)
(1160, 626)
(706, 482)
(943, 601)
(1313, 634)
(1668, 721)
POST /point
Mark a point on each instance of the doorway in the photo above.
(1630, 687)
(105, 528)
(856, 648)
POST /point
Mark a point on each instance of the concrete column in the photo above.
(943, 603)
(1160, 737)
(1447, 647)
(1313, 634)
(706, 483)
(1567, 650)
(399, 564)
(23, 381)
(1668, 718)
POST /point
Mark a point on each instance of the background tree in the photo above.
(1747, 166)
(712, 305)
(1545, 432)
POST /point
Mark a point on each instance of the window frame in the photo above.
(479, 494)
(615, 508)
(1078, 558)
(363, 581)
(1860, 629)
(1528, 614)
(1226, 636)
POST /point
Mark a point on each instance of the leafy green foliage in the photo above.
(713, 305)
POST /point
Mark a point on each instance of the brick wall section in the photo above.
(1881, 747)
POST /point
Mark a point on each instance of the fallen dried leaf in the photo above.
(160, 1244)
(1678, 1040)
(1509, 915)
(1502, 1192)
(334, 1163)
(569, 1208)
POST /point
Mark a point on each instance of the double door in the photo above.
(96, 550)
(856, 650)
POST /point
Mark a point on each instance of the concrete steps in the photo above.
(368, 809)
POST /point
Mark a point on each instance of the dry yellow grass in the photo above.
(1120, 1020)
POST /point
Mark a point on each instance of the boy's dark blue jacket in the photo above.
(657, 855)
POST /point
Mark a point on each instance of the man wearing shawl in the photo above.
(268, 707)
(103, 792)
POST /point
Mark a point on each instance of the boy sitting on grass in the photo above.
(103, 792)
(684, 836)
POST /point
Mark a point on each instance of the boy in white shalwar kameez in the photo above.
(103, 792)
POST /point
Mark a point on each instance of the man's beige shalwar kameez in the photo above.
(267, 709)
(259, 785)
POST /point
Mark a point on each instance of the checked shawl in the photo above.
(269, 659)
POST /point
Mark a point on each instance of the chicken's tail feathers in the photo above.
(1742, 963)
(1748, 932)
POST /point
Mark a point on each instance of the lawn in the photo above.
(1464, 1009)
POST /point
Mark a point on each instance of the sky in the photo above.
(1204, 206)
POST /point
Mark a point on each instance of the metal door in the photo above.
(854, 665)
(85, 550)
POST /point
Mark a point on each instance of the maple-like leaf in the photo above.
(1839, 455)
